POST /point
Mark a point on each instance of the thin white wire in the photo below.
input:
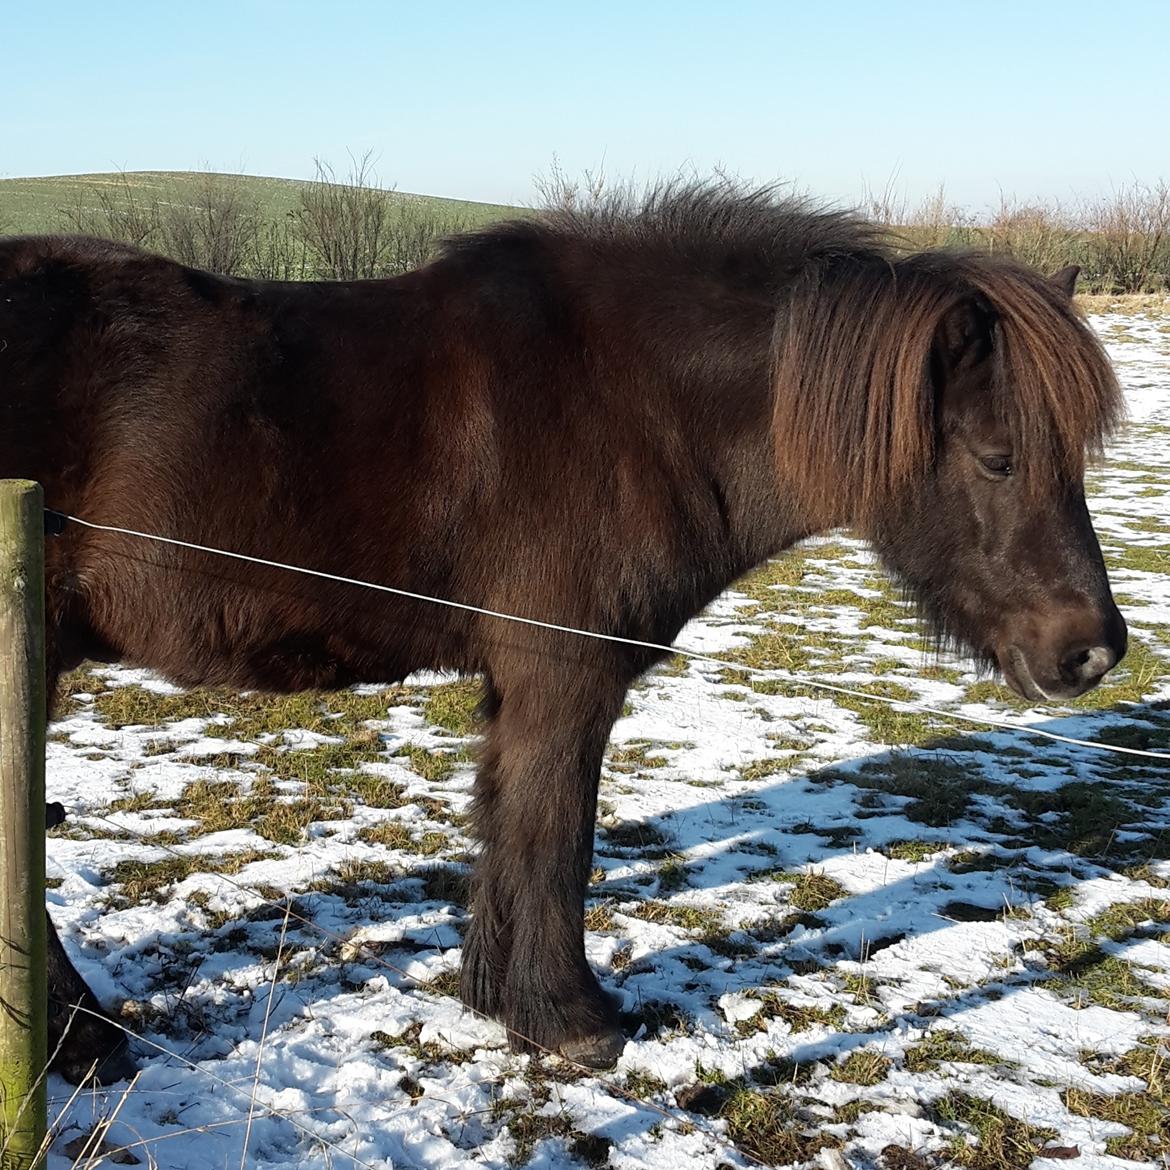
(695, 655)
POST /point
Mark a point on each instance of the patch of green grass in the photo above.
(897, 726)
(767, 1126)
(315, 766)
(370, 873)
(1140, 558)
(771, 583)
(761, 769)
(863, 1066)
(454, 706)
(430, 765)
(1081, 817)
(1145, 1114)
(34, 204)
(914, 850)
(223, 804)
(814, 890)
(849, 1112)
(674, 667)
(1003, 1142)
(644, 1085)
(599, 917)
(1145, 873)
(672, 876)
(660, 1018)
(690, 918)
(640, 837)
(800, 1017)
(143, 881)
(945, 1046)
(397, 835)
(445, 883)
(786, 650)
(286, 821)
(1106, 981)
(527, 1124)
(940, 790)
(1061, 900)
(374, 791)
(1122, 918)
(131, 706)
(252, 716)
(136, 802)
(632, 758)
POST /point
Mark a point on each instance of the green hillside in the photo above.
(40, 204)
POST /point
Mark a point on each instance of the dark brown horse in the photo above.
(596, 419)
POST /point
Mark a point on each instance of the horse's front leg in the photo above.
(82, 1038)
(536, 801)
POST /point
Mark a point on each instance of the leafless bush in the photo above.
(560, 192)
(1041, 235)
(1128, 238)
(217, 230)
(933, 223)
(355, 228)
(416, 232)
(345, 223)
(279, 251)
(115, 211)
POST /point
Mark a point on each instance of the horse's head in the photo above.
(985, 393)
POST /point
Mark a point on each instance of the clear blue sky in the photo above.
(1037, 97)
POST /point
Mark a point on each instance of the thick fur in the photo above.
(599, 419)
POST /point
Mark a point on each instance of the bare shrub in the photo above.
(218, 229)
(933, 223)
(1128, 238)
(938, 223)
(345, 223)
(888, 207)
(560, 192)
(1041, 235)
(354, 228)
(279, 251)
(416, 231)
(115, 211)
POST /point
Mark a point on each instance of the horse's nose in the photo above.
(1085, 666)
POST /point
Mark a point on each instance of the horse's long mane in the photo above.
(855, 416)
(854, 411)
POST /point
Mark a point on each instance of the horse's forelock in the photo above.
(1054, 385)
(854, 402)
(853, 410)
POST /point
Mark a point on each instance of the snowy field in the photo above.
(842, 934)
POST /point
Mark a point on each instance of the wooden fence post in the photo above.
(23, 993)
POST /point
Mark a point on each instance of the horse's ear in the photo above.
(965, 332)
(1066, 279)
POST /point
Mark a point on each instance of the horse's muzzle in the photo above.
(1045, 669)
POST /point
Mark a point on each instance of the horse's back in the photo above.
(336, 426)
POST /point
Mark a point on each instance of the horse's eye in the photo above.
(1000, 465)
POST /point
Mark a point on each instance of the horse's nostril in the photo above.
(1086, 664)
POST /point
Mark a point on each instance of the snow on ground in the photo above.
(832, 926)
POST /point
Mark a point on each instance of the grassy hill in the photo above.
(40, 204)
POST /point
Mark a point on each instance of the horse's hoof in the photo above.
(118, 1066)
(93, 1049)
(600, 1050)
(108, 1070)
